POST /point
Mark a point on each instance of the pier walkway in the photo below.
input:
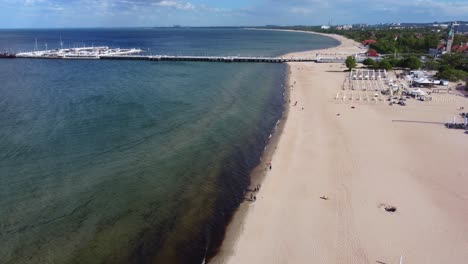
(106, 53)
(209, 58)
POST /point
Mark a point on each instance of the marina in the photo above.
(78, 53)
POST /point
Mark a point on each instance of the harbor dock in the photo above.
(106, 53)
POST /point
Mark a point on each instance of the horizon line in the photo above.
(239, 26)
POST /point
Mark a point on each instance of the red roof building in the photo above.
(460, 48)
(369, 42)
(372, 53)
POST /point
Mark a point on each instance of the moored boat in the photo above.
(6, 55)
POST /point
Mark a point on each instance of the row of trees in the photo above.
(389, 41)
(452, 67)
(387, 63)
(395, 40)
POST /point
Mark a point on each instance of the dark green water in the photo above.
(131, 161)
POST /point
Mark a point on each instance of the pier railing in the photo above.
(208, 58)
(126, 56)
(107, 53)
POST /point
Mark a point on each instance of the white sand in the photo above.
(360, 160)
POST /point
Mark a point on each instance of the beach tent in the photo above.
(423, 81)
(418, 92)
(418, 74)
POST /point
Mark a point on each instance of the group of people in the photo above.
(253, 197)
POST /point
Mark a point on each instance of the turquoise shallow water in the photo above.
(131, 161)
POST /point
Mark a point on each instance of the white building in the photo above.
(441, 25)
(325, 27)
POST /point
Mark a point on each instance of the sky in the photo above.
(135, 13)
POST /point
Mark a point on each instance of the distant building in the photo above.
(460, 48)
(325, 27)
(360, 25)
(344, 27)
(444, 26)
(445, 45)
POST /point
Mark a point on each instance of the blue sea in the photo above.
(133, 161)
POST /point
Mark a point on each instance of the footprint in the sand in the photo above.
(388, 208)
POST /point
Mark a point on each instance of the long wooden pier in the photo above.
(107, 53)
(124, 55)
(208, 58)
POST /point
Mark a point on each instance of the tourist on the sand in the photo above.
(255, 198)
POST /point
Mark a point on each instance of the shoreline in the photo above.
(257, 176)
(345, 45)
(354, 155)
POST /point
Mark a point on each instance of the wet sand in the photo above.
(362, 160)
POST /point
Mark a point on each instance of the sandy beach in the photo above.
(362, 158)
